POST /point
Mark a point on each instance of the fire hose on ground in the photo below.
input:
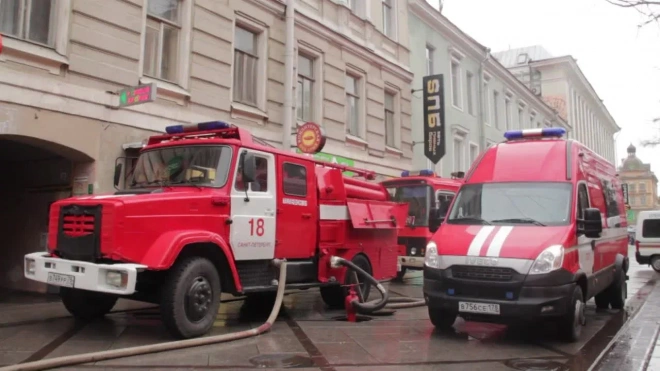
(371, 307)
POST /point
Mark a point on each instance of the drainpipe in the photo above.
(289, 55)
(482, 120)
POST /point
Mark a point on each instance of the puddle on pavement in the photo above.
(281, 361)
(536, 365)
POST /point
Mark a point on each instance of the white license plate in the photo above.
(478, 308)
(61, 279)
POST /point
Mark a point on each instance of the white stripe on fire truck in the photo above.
(479, 239)
(498, 241)
(334, 212)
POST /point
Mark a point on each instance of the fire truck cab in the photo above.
(537, 229)
(423, 191)
(207, 210)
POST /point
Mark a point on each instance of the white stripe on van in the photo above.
(498, 241)
(479, 239)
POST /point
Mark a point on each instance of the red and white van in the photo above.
(536, 230)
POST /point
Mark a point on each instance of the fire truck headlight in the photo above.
(549, 260)
(30, 266)
(116, 279)
(431, 258)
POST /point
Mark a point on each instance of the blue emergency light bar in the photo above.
(535, 133)
(425, 172)
(202, 126)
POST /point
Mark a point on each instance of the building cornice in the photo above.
(570, 64)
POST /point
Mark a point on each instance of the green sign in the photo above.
(334, 160)
(630, 215)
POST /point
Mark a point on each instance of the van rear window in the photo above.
(651, 228)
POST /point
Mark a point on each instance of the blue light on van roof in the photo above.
(202, 126)
(405, 173)
(424, 172)
(535, 133)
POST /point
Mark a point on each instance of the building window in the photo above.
(469, 80)
(642, 187)
(532, 120)
(521, 117)
(507, 113)
(161, 43)
(631, 188)
(459, 150)
(429, 60)
(390, 127)
(246, 62)
(294, 180)
(305, 88)
(456, 84)
(31, 20)
(474, 153)
(388, 18)
(352, 105)
(642, 200)
(353, 4)
(496, 113)
(486, 104)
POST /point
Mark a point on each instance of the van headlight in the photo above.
(549, 260)
(431, 258)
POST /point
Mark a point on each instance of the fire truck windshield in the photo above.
(417, 197)
(532, 203)
(199, 165)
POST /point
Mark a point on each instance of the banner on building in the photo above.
(624, 188)
(434, 117)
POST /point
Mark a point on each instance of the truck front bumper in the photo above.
(499, 302)
(412, 262)
(119, 279)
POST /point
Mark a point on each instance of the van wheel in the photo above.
(442, 319)
(190, 298)
(570, 325)
(618, 292)
(86, 305)
(655, 263)
(334, 296)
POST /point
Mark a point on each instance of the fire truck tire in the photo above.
(617, 293)
(87, 305)
(190, 297)
(334, 296)
(399, 275)
(442, 319)
(570, 326)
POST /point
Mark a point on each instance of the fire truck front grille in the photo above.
(79, 232)
(468, 272)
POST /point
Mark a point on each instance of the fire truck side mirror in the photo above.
(248, 167)
(435, 219)
(118, 168)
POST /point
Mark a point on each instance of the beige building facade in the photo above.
(642, 184)
(63, 62)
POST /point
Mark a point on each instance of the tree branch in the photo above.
(648, 8)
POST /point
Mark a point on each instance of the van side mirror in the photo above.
(436, 216)
(248, 167)
(593, 224)
(118, 168)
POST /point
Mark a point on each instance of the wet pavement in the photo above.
(306, 336)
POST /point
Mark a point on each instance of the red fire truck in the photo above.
(207, 209)
(423, 191)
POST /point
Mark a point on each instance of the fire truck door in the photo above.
(252, 231)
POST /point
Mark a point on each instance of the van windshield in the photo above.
(531, 203)
(417, 197)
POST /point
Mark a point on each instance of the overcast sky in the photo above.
(620, 60)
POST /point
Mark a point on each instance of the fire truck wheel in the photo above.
(617, 293)
(86, 305)
(571, 324)
(190, 297)
(333, 296)
(399, 275)
(443, 320)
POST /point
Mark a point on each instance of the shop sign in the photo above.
(310, 138)
(135, 95)
(434, 117)
(333, 160)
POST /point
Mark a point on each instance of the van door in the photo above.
(252, 229)
(297, 209)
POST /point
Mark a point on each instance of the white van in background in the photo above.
(647, 239)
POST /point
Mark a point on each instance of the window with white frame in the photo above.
(30, 20)
(456, 84)
(521, 116)
(390, 125)
(305, 88)
(246, 64)
(388, 18)
(353, 105)
(496, 114)
(507, 113)
(459, 150)
(532, 120)
(429, 60)
(486, 101)
(469, 84)
(161, 43)
(474, 152)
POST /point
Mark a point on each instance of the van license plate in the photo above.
(478, 308)
(61, 279)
